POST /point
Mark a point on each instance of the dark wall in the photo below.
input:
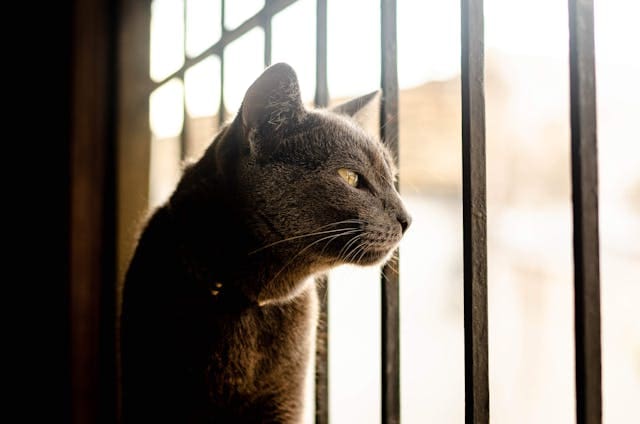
(37, 194)
(68, 213)
(92, 213)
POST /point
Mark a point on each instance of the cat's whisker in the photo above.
(392, 265)
(385, 275)
(332, 237)
(390, 268)
(364, 251)
(316, 233)
(299, 237)
(348, 252)
(325, 246)
(346, 247)
(393, 260)
(357, 250)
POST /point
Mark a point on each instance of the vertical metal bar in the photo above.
(322, 91)
(221, 109)
(266, 26)
(390, 279)
(322, 338)
(184, 137)
(585, 212)
(474, 214)
(322, 353)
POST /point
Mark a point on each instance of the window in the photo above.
(205, 53)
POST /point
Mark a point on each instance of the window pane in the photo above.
(203, 25)
(531, 348)
(236, 12)
(167, 38)
(353, 47)
(202, 87)
(354, 345)
(618, 98)
(164, 169)
(428, 41)
(243, 63)
(166, 121)
(294, 42)
(166, 109)
(431, 302)
(202, 91)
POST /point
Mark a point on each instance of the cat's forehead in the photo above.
(344, 134)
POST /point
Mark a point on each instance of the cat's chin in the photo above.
(374, 257)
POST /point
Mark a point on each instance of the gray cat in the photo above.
(220, 305)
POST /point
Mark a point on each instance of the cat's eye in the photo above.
(349, 176)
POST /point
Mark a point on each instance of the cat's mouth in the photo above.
(373, 246)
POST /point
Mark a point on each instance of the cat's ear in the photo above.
(365, 110)
(353, 107)
(273, 100)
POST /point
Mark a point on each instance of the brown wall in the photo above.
(91, 290)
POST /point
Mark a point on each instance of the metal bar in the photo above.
(270, 9)
(322, 91)
(389, 278)
(322, 337)
(221, 109)
(266, 25)
(585, 212)
(322, 353)
(474, 214)
(184, 136)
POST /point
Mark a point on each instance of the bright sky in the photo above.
(428, 45)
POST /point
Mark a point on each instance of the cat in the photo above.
(220, 304)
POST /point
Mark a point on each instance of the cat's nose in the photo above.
(405, 220)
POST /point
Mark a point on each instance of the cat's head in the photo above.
(312, 184)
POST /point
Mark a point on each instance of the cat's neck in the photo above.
(216, 249)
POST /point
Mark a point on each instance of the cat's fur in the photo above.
(216, 327)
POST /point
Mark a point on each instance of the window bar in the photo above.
(221, 108)
(390, 278)
(474, 214)
(185, 114)
(585, 212)
(266, 26)
(274, 6)
(322, 337)
(322, 92)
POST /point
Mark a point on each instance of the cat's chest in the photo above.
(262, 346)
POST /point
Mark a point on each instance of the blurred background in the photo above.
(141, 109)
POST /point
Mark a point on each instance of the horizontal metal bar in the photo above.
(271, 8)
(474, 214)
(584, 160)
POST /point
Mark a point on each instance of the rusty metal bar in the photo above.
(474, 214)
(585, 212)
(390, 301)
